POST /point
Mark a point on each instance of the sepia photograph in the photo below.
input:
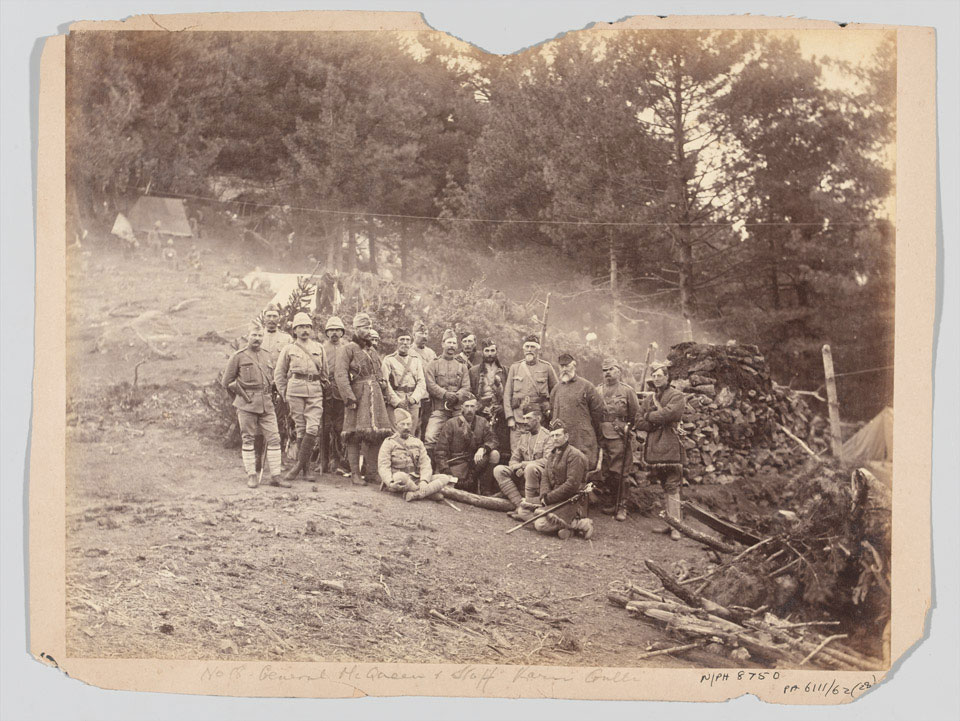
(383, 349)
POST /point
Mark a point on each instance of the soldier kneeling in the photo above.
(403, 463)
(564, 479)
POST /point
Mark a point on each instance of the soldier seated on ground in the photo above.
(404, 466)
(520, 479)
(467, 448)
(564, 479)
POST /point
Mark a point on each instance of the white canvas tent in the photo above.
(170, 213)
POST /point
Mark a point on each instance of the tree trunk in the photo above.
(350, 261)
(372, 246)
(774, 274)
(404, 254)
(614, 291)
(682, 211)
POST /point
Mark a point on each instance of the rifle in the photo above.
(575, 497)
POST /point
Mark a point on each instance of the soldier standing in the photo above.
(448, 382)
(564, 477)
(332, 423)
(576, 402)
(530, 379)
(406, 383)
(248, 378)
(300, 380)
(663, 453)
(487, 381)
(520, 479)
(426, 355)
(469, 353)
(274, 340)
(365, 420)
(620, 408)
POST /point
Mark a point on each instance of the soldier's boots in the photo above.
(621, 512)
(277, 480)
(252, 480)
(425, 490)
(353, 458)
(583, 527)
(309, 443)
(298, 466)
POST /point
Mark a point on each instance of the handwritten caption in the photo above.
(792, 684)
(477, 677)
(489, 679)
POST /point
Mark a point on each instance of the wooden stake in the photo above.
(800, 443)
(832, 404)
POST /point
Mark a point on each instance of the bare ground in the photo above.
(169, 555)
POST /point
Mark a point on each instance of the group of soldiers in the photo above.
(419, 421)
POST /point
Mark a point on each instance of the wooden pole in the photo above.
(832, 404)
(543, 325)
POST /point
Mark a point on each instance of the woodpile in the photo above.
(745, 634)
(738, 422)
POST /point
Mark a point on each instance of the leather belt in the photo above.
(306, 376)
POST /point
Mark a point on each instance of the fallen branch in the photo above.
(721, 526)
(436, 614)
(800, 443)
(689, 597)
(727, 564)
(674, 649)
(819, 648)
(491, 503)
(182, 305)
(696, 535)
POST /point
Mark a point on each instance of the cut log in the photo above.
(690, 598)
(724, 528)
(696, 535)
(491, 503)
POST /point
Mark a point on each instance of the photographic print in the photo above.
(392, 365)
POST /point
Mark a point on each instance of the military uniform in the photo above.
(426, 355)
(565, 474)
(524, 472)
(578, 405)
(251, 371)
(406, 384)
(300, 380)
(443, 376)
(620, 408)
(332, 424)
(457, 444)
(273, 343)
(527, 382)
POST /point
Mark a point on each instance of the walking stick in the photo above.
(575, 497)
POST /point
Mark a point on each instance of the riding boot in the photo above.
(306, 451)
(370, 452)
(353, 458)
(298, 466)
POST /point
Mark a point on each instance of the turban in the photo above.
(448, 333)
(532, 338)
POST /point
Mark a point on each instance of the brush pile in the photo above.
(738, 422)
(745, 634)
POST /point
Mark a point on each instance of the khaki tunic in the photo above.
(528, 382)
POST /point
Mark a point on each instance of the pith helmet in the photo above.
(334, 323)
(302, 319)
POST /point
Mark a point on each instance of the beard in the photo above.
(405, 434)
(566, 377)
(529, 356)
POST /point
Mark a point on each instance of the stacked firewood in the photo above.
(738, 422)
(745, 634)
